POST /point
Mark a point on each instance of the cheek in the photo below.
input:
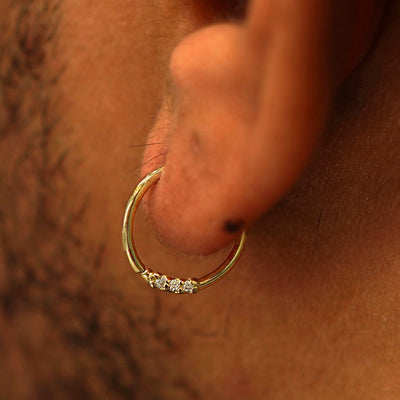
(116, 60)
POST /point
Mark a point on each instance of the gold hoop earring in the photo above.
(158, 280)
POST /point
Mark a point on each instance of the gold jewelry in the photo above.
(161, 281)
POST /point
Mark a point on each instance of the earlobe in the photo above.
(250, 102)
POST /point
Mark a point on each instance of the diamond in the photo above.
(161, 282)
(188, 286)
(151, 277)
(175, 286)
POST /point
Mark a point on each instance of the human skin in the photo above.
(310, 312)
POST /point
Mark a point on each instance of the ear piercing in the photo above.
(159, 280)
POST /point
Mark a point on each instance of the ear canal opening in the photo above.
(221, 11)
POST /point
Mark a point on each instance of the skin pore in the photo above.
(311, 311)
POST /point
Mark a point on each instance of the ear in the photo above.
(249, 101)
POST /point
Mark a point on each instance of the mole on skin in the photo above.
(232, 226)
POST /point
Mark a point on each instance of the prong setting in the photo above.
(173, 285)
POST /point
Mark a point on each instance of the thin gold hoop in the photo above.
(158, 280)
